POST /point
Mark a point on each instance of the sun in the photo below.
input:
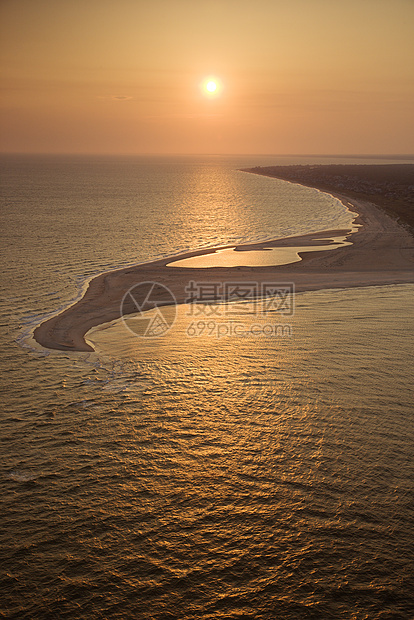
(211, 86)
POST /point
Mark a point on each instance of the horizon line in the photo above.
(175, 154)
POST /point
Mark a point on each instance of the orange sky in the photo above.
(297, 76)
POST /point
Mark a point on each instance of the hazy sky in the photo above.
(125, 76)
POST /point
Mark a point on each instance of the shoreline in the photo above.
(381, 253)
(389, 186)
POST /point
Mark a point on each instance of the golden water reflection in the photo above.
(331, 351)
(230, 257)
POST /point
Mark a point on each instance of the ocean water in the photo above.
(213, 472)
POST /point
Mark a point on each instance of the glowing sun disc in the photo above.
(211, 86)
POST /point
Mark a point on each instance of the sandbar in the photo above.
(381, 253)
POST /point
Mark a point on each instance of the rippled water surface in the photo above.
(197, 476)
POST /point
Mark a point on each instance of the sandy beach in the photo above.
(382, 253)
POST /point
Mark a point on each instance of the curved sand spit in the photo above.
(382, 252)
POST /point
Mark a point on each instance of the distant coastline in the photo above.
(390, 186)
(381, 253)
